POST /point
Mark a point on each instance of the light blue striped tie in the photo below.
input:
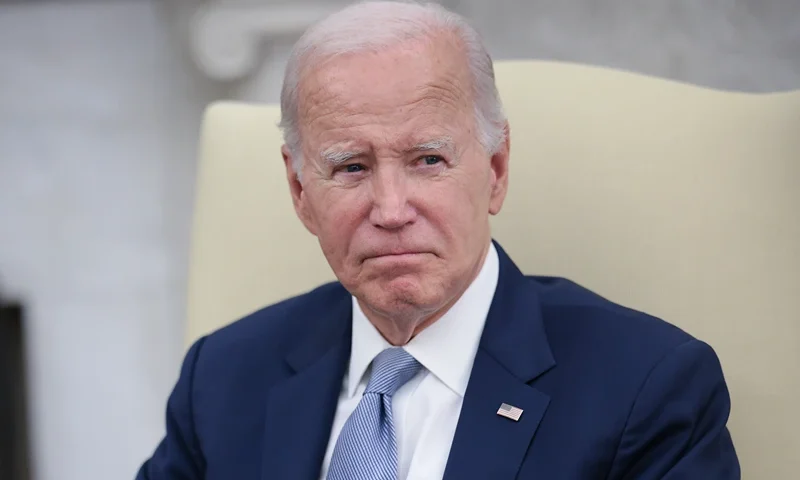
(367, 447)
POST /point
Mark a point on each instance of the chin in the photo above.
(403, 296)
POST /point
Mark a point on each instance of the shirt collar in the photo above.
(447, 347)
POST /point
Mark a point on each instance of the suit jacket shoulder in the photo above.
(583, 325)
(271, 332)
(240, 363)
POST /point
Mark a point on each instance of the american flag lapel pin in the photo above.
(510, 411)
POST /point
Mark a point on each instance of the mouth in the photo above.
(398, 255)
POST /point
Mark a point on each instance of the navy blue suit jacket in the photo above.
(607, 393)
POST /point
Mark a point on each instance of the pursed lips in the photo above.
(394, 253)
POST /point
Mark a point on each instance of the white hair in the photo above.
(376, 25)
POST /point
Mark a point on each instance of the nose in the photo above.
(390, 206)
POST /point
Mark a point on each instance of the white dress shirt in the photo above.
(426, 409)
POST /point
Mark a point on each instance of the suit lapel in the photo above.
(513, 352)
(300, 410)
(487, 445)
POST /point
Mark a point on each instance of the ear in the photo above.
(299, 198)
(499, 173)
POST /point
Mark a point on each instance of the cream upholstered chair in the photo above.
(677, 200)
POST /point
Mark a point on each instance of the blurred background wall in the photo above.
(100, 102)
(98, 118)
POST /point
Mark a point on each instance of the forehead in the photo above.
(418, 88)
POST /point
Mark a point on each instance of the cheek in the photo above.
(339, 215)
(469, 192)
(460, 209)
(453, 208)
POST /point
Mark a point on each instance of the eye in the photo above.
(432, 159)
(353, 168)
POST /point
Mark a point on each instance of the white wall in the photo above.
(98, 117)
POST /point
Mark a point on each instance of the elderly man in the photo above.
(433, 356)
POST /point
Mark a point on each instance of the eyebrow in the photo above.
(334, 156)
(443, 143)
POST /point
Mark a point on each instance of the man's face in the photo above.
(396, 185)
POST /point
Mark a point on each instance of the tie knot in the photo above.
(391, 369)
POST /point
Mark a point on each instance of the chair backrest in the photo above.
(677, 200)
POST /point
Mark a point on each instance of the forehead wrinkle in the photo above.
(317, 103)
(442, 97)
(325, 103)
(447, 90)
